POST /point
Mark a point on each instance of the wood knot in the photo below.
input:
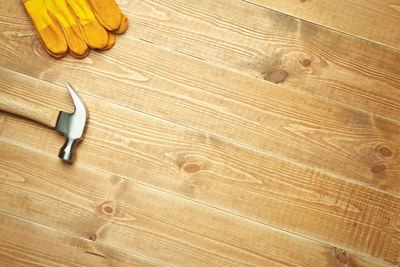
(306, 62)
(93, 237)
(341, 255)
(191, 168)
(378, 168)
(108, 209)
(385, 151)
(276, 76)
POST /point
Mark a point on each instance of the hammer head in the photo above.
(71, 125)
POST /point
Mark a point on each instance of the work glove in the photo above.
(75, 25)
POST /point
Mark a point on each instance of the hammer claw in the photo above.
(79, 107)
(71, 125)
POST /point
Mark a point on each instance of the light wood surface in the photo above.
(265, 44)
(115, 211)
(220, 133)
(23, 243)
(306, 129)
(369, 19)
(269, 46)
(23, 107)
(215, 172)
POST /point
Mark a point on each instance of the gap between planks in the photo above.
(343, 178)
(315, 77)
(229, 68)
(63, 232)
(175, 87)
(142, 35)
(282, 85)
(102, 240)
(357, 119)
(43, 86)
(259, 4)
(158, 189)
(375, 66)
(212, 135)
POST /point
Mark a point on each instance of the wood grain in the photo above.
(215, 172)
(306, 190)
(268, 45)
(23, 243)
(117, 212)
(374, 20)
(28, 109)
(306, 129)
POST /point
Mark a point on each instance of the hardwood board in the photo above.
(216, 172)
(198, 165)
(23, 243)
(374, 20)
(117, 212)
(351, 260)
(268, 45)
(262, 115)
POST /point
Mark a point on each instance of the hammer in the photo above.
(71, 125)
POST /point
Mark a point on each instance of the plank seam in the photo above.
(342, 177)
(83, 238)
(150, 187)
(324, 26)
(303, 92)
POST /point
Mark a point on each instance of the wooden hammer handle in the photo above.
(28, 109)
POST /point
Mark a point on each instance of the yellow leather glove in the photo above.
(75, 25)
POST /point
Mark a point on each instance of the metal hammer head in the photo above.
(71, 125)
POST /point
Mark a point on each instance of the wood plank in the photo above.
(377, 21)
(117, 212)
(355, 260)
(325, 63)
(216, 172)
(268, 45)
(309, 130)
(23, 243)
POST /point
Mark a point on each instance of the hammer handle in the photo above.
(28, 109)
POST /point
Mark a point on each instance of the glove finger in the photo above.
(122, 27)
(79, 56)
(93, 33)
(110, 41)
(60, 13)
(49, 33)
(107, 13)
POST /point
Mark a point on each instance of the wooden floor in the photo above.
(221, 133)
